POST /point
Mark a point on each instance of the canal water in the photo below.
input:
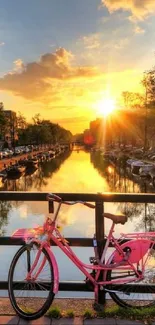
(78, 172)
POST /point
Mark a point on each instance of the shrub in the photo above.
(70, 313)
(54, 312)
(88, 313)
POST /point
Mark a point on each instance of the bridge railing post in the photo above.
(99, 224)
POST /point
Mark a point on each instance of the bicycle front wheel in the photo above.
(138, 294)
(31, 298)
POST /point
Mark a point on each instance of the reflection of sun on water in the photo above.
(106, 106)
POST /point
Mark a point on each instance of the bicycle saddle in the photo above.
(116, 218)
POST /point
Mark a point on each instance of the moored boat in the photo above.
(14, 170)
(31, 163)
(144, 171)
(30, 171)
(135, 167)
(152, 175)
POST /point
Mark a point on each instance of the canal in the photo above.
(77, 172)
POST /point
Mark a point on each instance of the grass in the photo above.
(145, 314)
(54, 312)
(88, 313)
(70, 313)
(27, 310)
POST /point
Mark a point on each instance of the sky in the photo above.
(60, 58)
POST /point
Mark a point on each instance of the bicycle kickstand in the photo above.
(96, 305)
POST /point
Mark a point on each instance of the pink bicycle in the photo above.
(128, 275)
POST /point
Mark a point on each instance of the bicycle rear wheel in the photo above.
(138, 294)
(30, 298)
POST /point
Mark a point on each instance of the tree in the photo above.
(133, 100)
(21, 129)
(148, 83)
(37, 119)
(3, 121)
(44, 132)
(1, 106)
(21, 121)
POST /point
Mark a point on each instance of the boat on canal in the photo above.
(14, 171)
(31, 163)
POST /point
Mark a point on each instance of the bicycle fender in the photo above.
(138, 249)
(55, 270)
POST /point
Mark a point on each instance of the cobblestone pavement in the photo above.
(14, 320)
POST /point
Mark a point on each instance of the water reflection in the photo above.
(76, 172)
(4, 209)
(117, 177)
(35, 178)
(119, 180)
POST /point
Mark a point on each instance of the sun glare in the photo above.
(106, 106)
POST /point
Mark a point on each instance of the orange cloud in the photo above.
(140, 9)
(73, 102)
(36, 80)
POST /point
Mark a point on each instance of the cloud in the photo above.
(19, 63)
(121, 44)
(18, 66)
(116, 44)
(2, 43)
(139, 30)
(105, 19)
(140, 9)
(97, 42)
(91, 41)
(36, 80)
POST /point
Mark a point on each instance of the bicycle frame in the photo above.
(55, 236)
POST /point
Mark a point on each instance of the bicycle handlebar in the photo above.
(53, 197)
(56, 198)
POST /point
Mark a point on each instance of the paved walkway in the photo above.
(14, 320)
(8, 316)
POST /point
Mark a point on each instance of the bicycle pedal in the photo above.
(92, 260)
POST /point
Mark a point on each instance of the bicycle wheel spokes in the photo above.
(135, 294)
(31, 297)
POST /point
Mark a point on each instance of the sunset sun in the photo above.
(106, 106)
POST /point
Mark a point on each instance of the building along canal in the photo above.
(75, 171)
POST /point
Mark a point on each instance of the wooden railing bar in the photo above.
(75, 242)
(106, 197)
(82, 286)
(81, 242)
